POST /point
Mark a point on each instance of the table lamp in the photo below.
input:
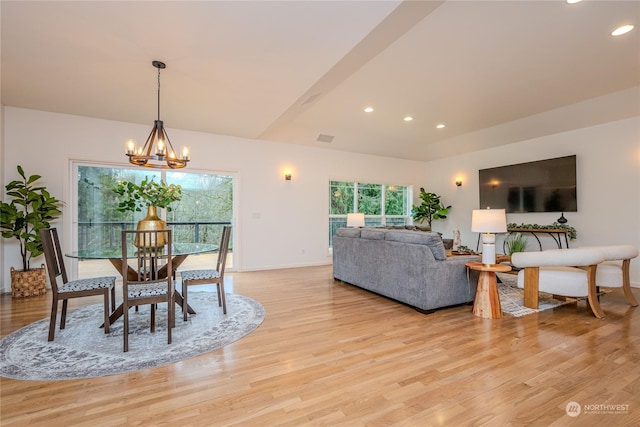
(489, 221)
(355, 220)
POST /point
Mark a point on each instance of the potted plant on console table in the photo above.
(152, 195)
(30, 209)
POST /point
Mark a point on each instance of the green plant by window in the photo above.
(147, 193)
(431, 208)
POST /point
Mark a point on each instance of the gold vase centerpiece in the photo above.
(152, 195)
(152, 222)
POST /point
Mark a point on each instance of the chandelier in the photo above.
(157, 152)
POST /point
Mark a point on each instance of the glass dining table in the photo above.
(179, 253)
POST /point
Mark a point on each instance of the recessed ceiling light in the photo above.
(440, 126)
(573, 1)
(622, 30)
(368, 110)
(408, 119)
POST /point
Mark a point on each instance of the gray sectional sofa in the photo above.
(407, 266)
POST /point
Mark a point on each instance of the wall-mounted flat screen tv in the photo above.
(540, 186)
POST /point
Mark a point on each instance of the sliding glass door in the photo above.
(206, 206)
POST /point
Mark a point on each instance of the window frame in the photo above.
(72, 222)
(383, 217)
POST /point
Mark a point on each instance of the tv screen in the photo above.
(541, 186)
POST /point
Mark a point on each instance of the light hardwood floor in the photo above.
(331, 354)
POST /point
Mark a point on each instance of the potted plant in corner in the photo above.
(29, 210)
(431, 208)
(152, 195)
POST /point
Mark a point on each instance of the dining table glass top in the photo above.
(110, 252)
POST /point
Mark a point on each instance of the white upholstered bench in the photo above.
(575, 272)
(557, 272)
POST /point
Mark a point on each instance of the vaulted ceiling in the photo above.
(302, 72)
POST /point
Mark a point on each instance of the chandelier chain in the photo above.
(158, 93)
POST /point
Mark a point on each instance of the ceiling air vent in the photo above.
(324, 138)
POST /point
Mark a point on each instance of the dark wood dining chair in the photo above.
(146, 287)
(211, 276)
(64, 289)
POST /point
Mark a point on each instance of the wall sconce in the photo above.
(458, 182)
(287, 174)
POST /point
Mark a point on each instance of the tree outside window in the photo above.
(382, 204)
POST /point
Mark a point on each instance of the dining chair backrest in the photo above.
(206, 276)
(64, 289)
(153, 281)
(224, 249)
(150, 261)
(53, 257)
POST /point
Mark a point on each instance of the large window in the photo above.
(206, 205)
(381, 204)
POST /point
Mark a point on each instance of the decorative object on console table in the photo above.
(489, 221)
(152, 195)
(29, 210)
(562, 219)
(463, 250)
(456, 240)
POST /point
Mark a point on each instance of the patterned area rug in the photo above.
(82, 350)
(512, 298)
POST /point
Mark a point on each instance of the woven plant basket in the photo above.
(28, 283)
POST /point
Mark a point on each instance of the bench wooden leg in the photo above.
(531, 284)
(593, 292)
(626, 283)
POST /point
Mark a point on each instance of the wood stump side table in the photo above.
(487, 301)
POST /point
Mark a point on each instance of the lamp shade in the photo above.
(355, 220)
(489, 221)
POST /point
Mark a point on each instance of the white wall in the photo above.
(280, 223)
(608, 173)
(284, 223)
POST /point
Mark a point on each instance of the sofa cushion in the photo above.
(348, 232)
(432, 240)
(373, 233)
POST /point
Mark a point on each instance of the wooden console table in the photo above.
(555, 233)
